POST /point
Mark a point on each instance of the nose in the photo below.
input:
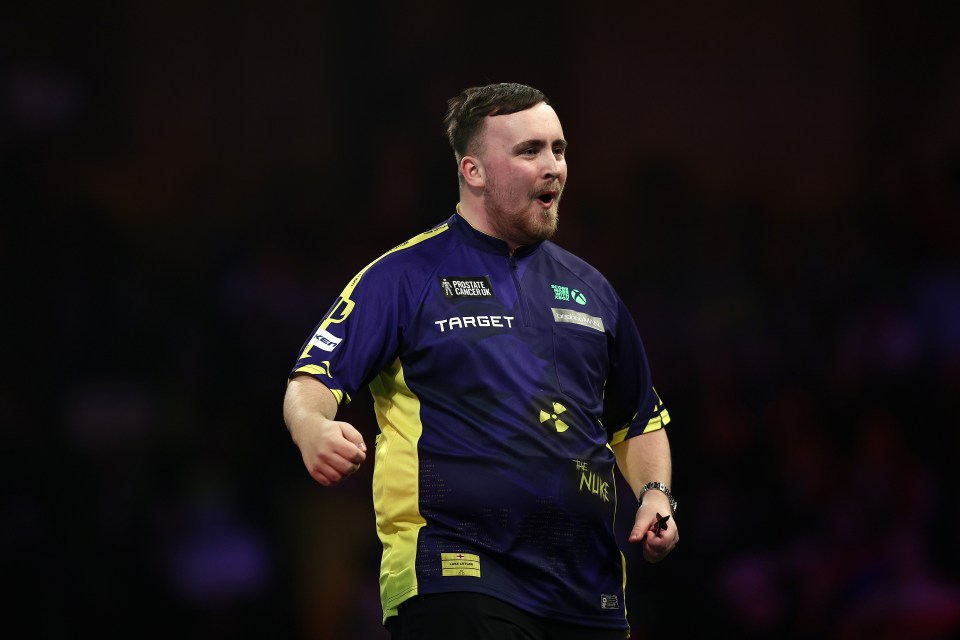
(554, 167)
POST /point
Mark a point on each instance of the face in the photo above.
(523, 156)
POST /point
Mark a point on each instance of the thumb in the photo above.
(637, 534)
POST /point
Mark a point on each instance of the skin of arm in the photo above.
(642, 459)
(331, 449)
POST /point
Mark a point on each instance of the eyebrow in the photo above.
(539, 144)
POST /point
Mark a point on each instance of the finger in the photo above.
(652, 557)
(324, 477)
(350, 452)
(654, 553)
(343, 449)
(656, 549)
(345, 466)
(353, 436)
(332, 472)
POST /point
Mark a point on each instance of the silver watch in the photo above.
(659, 486)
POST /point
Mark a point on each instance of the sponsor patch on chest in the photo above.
(465, 287)
(578, 317)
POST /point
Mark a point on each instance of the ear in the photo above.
(472, 170)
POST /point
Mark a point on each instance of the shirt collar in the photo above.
(485, 242)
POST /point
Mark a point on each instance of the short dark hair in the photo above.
(465, 113)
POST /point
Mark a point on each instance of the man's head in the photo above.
(510, 153)
(467, 113)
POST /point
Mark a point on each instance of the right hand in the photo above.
(656, 544)
(332, 451)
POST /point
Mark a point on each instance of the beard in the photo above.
(519, 218)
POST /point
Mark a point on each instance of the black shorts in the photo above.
(475, 616)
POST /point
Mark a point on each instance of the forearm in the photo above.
(307, 400)
(645, 458)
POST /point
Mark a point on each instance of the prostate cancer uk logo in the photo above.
(466, 287)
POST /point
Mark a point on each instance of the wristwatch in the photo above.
(659, 486)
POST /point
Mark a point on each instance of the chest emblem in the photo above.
(465, 287)
(553, 417)
(562, 292)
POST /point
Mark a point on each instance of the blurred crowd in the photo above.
(169, 243)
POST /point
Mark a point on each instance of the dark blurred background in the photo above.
(185, 187)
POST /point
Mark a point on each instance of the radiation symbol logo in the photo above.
(553, 418)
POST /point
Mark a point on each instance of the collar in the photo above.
(485, 242)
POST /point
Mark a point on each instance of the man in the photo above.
(508, 379)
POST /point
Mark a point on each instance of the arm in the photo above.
(642, 459)
(331, 450)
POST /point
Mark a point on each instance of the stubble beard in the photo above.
(526, 225)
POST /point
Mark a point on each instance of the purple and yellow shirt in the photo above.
(499, 383)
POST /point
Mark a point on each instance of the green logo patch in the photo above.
(560, 292)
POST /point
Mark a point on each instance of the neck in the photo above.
(476, 217)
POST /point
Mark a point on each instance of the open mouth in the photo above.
(547, 197)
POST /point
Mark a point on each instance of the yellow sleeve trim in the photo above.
(313, 369)
(321, 370)
(657, 422)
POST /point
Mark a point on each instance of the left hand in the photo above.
(656, 546)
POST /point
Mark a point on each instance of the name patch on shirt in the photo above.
(460, 564)
(609, 602)
(466, 287)
(578, 317)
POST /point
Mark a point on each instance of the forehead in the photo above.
(539, 122)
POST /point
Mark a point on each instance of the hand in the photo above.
(657, 541)
(332, 451)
